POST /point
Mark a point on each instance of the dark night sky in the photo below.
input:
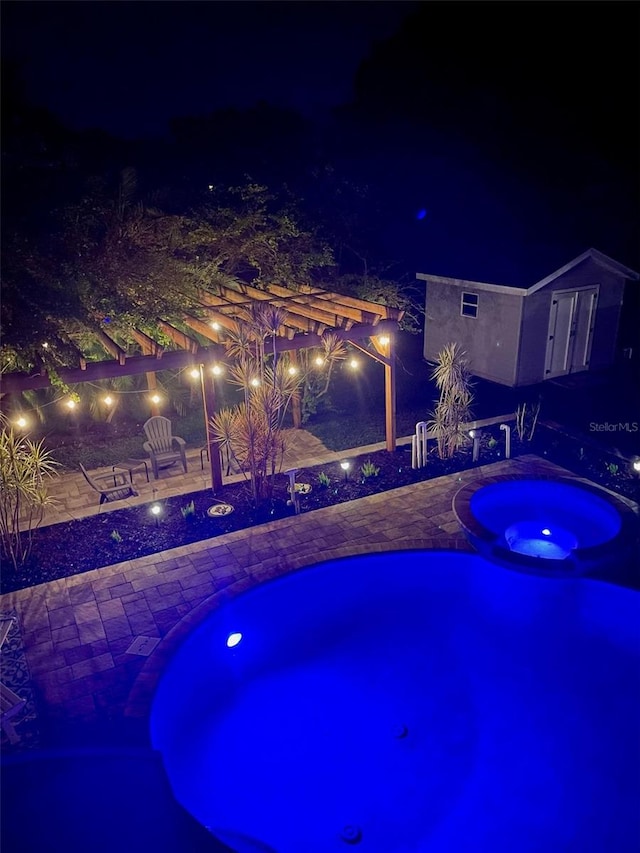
(543, 94)
(129, 67)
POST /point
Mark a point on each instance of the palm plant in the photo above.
(453, 408)
(25, 467)
(251, 434)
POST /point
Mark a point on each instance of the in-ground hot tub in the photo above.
(410, 702)
(561, 525)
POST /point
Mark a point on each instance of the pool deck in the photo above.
(86, 651)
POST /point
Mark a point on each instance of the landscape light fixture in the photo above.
(195, 373)
(216, 370)
(108, 400)
(345, 467)
(319, 361)
(215, 326)
(353, 363)
(155, 511)
(71, 404)
(293, 370)
(45, 345)
(156, 398)
(21, 422)
(384, 340)
(255, 382)
(635, 465)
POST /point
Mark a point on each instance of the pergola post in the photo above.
(296, 400)
(390, 397)
(209, 406)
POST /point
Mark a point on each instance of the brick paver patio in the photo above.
(96, 643)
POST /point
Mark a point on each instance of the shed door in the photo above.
(584, 321)
(571, 322)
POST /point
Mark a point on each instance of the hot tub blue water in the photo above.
(549, 511)
(410, 702)
(551, 525)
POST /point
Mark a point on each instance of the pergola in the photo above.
(310, 313)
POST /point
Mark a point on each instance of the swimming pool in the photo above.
(410, 702)
(560, 525)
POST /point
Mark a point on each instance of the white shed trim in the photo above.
(603, 261)
(471, 285)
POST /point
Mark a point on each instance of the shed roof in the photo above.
(518, 290)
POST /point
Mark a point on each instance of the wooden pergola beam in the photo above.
(147, 344)
(110, 346)
(302, 308)
(176, 360)
(180, 339)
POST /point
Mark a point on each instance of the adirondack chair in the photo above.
(110, 487)
(164, 449)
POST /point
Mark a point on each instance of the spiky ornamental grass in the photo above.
(25, 467)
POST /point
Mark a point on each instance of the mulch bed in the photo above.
(70, 548)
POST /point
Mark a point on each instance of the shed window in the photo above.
(469, 305)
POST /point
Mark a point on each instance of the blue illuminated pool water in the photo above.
(410, 702)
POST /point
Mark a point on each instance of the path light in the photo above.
(155, 511)
(255, 382)
(216, 370)
(70, 404)
(293, 370)
(156, 398)
(108, 400)
(195, 373)
(635, 464)
(353, 363)
(318, 361)
(345, 467)
(21, 422)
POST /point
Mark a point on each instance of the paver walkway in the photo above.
(95, 643)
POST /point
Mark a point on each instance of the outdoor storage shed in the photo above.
(565, 323)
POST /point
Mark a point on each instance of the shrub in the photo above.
(25, 467)
(368, 469)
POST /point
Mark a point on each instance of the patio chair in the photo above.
(164, 449)
(10, 705)
(110, 487)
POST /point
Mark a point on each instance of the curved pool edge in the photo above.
(583, 562)
(141, 695)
